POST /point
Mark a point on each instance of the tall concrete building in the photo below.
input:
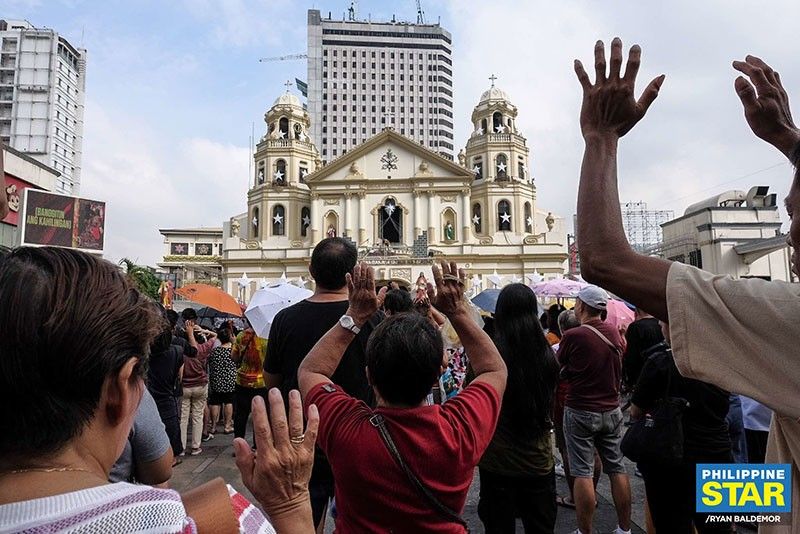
(365, 76)
(42, 88)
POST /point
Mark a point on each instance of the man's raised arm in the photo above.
(608, 112)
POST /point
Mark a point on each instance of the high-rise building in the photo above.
(42, 87)
(365, 76)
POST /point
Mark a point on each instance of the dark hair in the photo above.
(331, 260)
(189, 314)
(552, 318)
(397, 301)
(640, 336)
(404, 358)
(172, 317)
(163, 339)
(224, 334)
(532, 366)
(544, 320)
(68, 321)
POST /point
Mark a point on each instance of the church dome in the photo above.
(494, 93)
(287, 98)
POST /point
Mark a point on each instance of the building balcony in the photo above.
(287, 143)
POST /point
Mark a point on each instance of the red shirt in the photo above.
(591, 368)
(441, 444)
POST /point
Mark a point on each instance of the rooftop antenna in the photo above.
(420, 13)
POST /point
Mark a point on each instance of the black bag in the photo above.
(658, 436)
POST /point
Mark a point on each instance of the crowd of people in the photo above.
(101, 386)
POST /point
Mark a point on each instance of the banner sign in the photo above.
(63, 221)
(14, 191)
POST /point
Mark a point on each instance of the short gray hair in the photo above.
(567, 319)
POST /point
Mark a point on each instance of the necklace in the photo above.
(48, 470)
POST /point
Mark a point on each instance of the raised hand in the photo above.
(609, 106)
(450, 281)
(766, 106)
(278, 473)
(364, 302)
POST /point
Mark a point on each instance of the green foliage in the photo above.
(142, 277)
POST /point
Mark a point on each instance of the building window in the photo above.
(254, 222)
(521, 169)
(279, 178)
(391, 222)
(203, 249)
(179, 249)
(303, 173)
(305, 220)
(501, 164)
(278, 220)
(696, 258)
(504, 216)
(477, 218)
(528, 218)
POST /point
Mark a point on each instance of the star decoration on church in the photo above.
(278, 176)
(389, 209)
(203, 250)
(505, 217)
(278, 219)
(180, 249)
(255, 221)
(479, 131)
(501, 167)
(303, 173)
(476, 220)
(281, 134)
(389, 160)
(500, 128)
(303, 136)
(476, 170)
(529, 220)
(306, 220)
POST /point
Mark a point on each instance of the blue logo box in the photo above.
(746, 488)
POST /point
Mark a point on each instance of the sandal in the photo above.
(566, 502)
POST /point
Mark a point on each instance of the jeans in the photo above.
(242, 401)
(736, 430)
(193, 403)
(503, 498)
(168, 410)
(586, 431)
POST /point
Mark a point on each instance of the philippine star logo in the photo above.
(757, 493)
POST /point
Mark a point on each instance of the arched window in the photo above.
(280, 172)
(305, 220)
(477, 218)
(254, 222)
(497, 123)
(477, 167)
(528, 218)
(504, 216)
(303, 172)
(260, 177)
(278, 220)
(501, 166)
(283, 126)
(298, 131)
(390, 222)
(521, 169)
(483, 126)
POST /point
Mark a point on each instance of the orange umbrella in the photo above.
(211, 296)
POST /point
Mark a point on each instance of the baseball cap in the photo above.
(594, 296)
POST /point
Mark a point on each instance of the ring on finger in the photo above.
(298, 440)
(450, 277)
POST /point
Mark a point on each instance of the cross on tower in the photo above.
(288, 84)
(492, 78)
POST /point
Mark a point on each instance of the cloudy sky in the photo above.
(174, 89)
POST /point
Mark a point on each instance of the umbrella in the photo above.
(619, 314)
(561, 288)
(486, 300)
(210, 296)
(267, 302)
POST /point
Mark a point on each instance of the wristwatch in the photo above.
(346, 322)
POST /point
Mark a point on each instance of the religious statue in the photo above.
(165, 292)
(449, 232)
(331, 231)
(550, 221)
(235, 226)
(462, 158)
(421, 290)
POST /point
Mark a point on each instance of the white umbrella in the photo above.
(267, 302)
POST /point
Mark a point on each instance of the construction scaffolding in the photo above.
(643, 226)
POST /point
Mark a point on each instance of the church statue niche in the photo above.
(449, 232)
(390, 222)
(331, 231)
(448, 225)
(298, 131)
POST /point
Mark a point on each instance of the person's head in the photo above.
(405, 357)
(591, 303)
(532, 367)
(552, 318)
(544, 321)
(567, 320)
(640, 336)
(172, 317)
(224, 334)
(397, 301)
(64, 387)
(331, 260)
(189, 314)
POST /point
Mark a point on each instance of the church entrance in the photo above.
(391, 222)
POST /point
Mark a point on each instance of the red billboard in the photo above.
(14, 191)
(50, 219)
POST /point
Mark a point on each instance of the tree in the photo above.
(143, 278)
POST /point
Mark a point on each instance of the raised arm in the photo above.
(608, 112)
(320, 364)
(484, 358)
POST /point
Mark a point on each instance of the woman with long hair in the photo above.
(517, 471)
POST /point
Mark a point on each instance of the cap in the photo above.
(594, 296)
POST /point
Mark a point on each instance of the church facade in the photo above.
(402, 205)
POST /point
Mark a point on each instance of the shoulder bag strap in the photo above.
(209, 505)
(604, 338)
(378, 422)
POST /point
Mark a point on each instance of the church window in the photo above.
(303, 172)
(254, 222)
(283, 126)
(477, 168)
(521, 169)
(391, 222)
(501, 164)
(260, 173)
(504, 216)
(528, 218)
(278, 220)
(305, 220)
(280, 172)
(477, 218)
(497, 122)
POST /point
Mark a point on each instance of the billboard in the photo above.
(14, 192)
(62, 221)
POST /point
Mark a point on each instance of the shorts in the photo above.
(217, 399)
(586, 431)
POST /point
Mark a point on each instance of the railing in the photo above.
(286, 143)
